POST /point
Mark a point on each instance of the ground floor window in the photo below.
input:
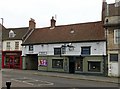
(79, 65)
(12, 60)
(57, 63)
(94, 66)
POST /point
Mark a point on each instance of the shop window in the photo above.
(57, 63)
(17, 60)
(16, 45)
(114, 57)
(85, 50)
(57, 51)
(30, 47)
(79, 65)
(8, 46)
(6, 61)
(42, 62)
(93, 66)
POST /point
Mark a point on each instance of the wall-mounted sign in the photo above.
(12, 54)
(42, 53)
(42, 62)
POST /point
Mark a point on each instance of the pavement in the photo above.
(67, 75)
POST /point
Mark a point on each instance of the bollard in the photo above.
(8, 83)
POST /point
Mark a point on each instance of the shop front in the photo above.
(12, 59)
(53, 63)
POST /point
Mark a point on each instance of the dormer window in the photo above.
(11, 34)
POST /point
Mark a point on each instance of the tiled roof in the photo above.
(20, 32)
(92, 31)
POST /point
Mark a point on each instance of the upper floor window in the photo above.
(31, 48)
(11, 34)
(113, 57)
(85, 50)
(16, 45)
(57, 51)
(116, 36)
(8, 46)
(63, 50)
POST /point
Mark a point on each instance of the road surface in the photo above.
(30, 79)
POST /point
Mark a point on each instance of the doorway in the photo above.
(32, 62)
(71, 64)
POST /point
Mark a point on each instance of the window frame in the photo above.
(111, 59)
(8, 45)
(116, 36)
(56, 64)
(83, 49)
(63, 50)
(90, 66)
(16, 45)
(57, 51)
(31, 48)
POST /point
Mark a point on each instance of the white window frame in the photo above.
(116, 36)
(17, 45)
(8, 45)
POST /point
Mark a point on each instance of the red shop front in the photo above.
(12, 59)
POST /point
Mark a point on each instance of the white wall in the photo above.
(97, 48)
(113, 69)
(113, 65)
(12, 44)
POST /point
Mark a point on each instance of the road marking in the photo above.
(47, 83)
(16, 80)
(21, 81)
(28, 83)
(32, 82)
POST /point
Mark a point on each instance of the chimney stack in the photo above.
(32, 24)
(53, 21)
(104, 10)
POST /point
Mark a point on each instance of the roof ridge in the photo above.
(70, 24)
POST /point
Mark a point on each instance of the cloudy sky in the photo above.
(17, 13)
